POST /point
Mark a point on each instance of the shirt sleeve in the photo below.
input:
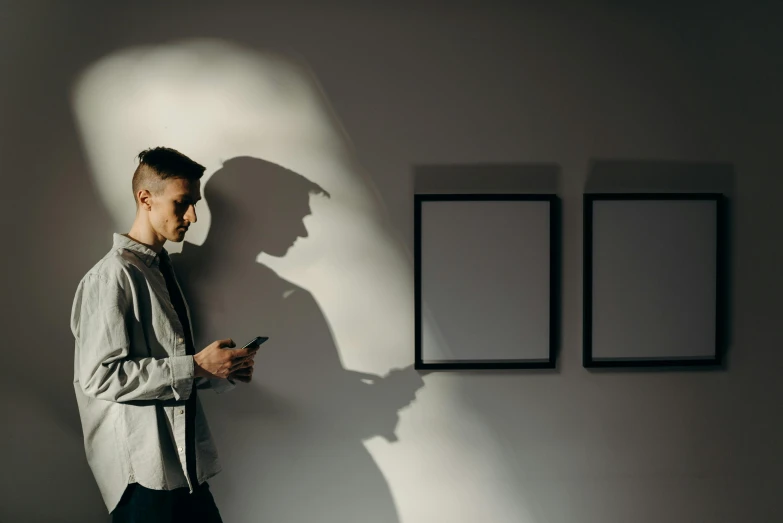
(104, 369)
(219, 385)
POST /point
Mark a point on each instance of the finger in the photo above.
(242, 361)
(243, 364)
(249, 351)
(244, 354)
(243, 373)
(240, 377)
(228, 342)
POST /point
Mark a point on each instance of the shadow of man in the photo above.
(290, 440)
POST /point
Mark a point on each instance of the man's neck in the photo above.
(148, 240)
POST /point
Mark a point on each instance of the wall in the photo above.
(409, 85)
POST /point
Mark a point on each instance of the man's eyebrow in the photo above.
(185, 197)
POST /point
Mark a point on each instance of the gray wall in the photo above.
(413, 85)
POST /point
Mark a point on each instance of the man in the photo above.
(136, 371)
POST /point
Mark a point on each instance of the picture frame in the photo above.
(487, 281)
(654, 279)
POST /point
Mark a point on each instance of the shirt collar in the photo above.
(145, 254)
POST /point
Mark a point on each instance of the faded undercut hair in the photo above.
(158, 165)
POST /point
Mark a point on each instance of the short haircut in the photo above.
(158, 165)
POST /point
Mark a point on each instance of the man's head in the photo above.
(166, 187)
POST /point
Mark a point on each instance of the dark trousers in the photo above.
(142, 505)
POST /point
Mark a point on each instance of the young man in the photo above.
(136, 371)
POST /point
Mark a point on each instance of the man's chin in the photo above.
(178, 236)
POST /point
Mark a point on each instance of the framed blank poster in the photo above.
(486, 281)
(653, 279)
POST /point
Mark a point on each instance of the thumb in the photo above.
(228, 342)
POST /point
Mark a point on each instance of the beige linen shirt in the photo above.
(132, 376)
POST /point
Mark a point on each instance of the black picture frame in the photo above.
(717, 252)
(549, 361)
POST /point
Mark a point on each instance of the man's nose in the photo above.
(191, 214)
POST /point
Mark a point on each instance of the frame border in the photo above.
(554, 284)
(587, 275)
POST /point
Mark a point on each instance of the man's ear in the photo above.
(145, 199)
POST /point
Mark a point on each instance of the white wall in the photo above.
(413, 85)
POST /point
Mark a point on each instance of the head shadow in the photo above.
(303, 418)
(257, 206)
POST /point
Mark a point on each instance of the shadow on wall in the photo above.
(291, 440)
(45, 473)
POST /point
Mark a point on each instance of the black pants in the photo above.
(142, 505)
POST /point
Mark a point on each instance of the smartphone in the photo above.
(257, 340)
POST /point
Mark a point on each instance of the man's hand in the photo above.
(217, 362)
(244, 374)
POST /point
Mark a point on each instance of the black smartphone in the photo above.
(257, 340)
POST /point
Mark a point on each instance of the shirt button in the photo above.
(182, 411)
(180, 449)
(180, 340)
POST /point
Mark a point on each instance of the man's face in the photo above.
(175, 208)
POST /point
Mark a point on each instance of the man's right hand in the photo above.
(215, 361)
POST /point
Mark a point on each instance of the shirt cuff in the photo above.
(221, 386)
(182, 375)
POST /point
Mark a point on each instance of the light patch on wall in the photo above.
(214, 101)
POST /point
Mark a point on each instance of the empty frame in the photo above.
(486, 280)
(653, 279)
